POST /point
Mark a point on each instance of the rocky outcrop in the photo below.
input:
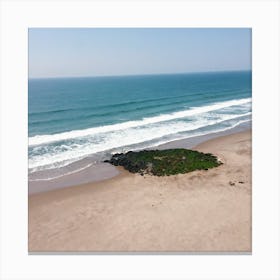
(164, 162)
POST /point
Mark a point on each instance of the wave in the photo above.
(60, 154)
(103, 114)
(110, 106)
(62, 175)
(155, 144)
(126, 103)
(48, 112)
(198, 134)
(119, 109)
(45, 139)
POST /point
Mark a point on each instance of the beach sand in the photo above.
(202, 211)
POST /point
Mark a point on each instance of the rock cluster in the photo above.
(164, 162)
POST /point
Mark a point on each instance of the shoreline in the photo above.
(200, 211)
(104, 171)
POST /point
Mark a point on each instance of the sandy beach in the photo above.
(202, 211)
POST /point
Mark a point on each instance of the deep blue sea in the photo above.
(73, 118)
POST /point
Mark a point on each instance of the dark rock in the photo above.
(164, 162)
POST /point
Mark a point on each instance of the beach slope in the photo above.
(201, 211)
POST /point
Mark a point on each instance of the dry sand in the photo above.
(202, 211)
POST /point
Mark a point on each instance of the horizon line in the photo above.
(148, 74)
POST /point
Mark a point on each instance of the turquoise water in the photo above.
(72, 118)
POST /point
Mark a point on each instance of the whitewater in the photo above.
(74, 119)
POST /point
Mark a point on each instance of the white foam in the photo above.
(198, 134)
(122, 138)
(44, 139)
(59, 176)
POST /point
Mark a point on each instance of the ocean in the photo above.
(74, 123)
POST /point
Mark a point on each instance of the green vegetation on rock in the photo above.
(164, 162)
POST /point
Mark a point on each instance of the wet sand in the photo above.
(90, 170)
(202, 211)
(94, 173)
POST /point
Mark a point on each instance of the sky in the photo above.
(79, 52)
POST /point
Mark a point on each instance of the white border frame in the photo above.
(262, 16)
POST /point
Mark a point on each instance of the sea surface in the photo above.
(74, 123)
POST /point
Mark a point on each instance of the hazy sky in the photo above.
(120, 51)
